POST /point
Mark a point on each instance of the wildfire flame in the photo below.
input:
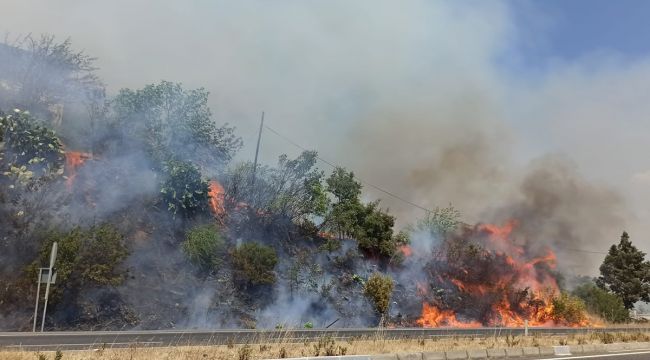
(406, 250)
(505, 287)
(74, 160)
(434, 317)
(216, 194)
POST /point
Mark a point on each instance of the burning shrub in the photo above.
(568, 309)
(28, 150)
(254, 263)
(205, 247)
(602, 303)
(481, 276)
(184, 191)
(379, 289)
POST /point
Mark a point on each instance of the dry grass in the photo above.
(322, 347)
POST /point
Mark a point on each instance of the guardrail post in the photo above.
(525, 327)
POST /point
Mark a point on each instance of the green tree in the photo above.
(440, 221)
(175, 123)
(602, 303)
(39, 72)
(374, 231)
(292, 190)
(205, 247)
(379, 289)
(297, 187)
(626, 273)
(344, 186)
(344, 215)
(254, 263)
(370, 225)
(184, 191)
(28, 150)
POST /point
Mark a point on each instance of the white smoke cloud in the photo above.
(411, 95)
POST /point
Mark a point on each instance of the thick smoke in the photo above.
(411, 97)
(555, 206)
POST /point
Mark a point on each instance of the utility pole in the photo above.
(50, 279)
(257, 149)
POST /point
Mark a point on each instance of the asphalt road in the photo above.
(95, 339)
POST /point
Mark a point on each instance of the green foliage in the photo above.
(379, 289)
(292, 190)
(175, 123)
(253, 264)
(39, 72)
(343, 186)
(374, 231)
(602, 303)
(85, 257)
(330, 245)
(298, 187)
(371, 226)
(626, 273)
(440, 221)
(205, 247)
(184, 191)
(28, 150)
(345, 212)
(308, 325)
(568, 309)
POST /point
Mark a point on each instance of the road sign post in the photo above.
(38, 293)
(48, 279)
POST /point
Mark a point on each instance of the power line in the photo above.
(386, 191)
(585, 251)
(360, 179)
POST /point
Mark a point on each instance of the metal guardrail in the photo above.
(90, 339)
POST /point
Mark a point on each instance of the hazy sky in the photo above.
(389, 87)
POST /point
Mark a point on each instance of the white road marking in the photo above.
(87, 344)
(598, 356)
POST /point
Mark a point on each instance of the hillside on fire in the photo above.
(160, 224)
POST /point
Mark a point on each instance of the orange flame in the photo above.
(406, 250)
(434, 317)
(216, 195)
(74, 160)
(509, 305)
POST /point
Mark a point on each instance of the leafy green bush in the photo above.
(205, 247)
(184, 191)
(379, 289)
(85, 257)
(28, 150)
(568, 309)
(602, 303)
(254, 263)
